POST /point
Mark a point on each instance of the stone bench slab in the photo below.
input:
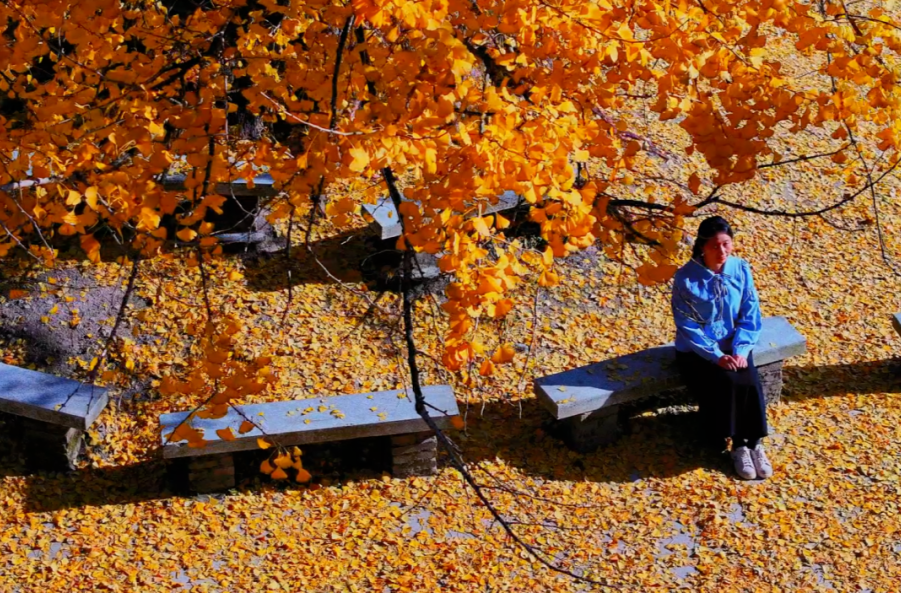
(290, 422)
(633, 376)
(263, 185)
(48, 398)
(896, 322)
(386, 218)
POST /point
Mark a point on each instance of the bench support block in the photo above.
(771, 381)
(50, 446)
(586, 432)
(414, 454)
(211, 473)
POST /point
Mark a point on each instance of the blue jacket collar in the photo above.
(728, 267)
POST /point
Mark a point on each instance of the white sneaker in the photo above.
(761, 463)
(741, 457)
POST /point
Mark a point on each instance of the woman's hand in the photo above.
(740, 361)
(727, 363)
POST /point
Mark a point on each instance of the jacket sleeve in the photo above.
(748, 323)
(689, 325)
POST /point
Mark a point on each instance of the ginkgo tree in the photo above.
(441, 105)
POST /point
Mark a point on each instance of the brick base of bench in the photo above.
(586, 432)
(414, 454)
(211, 473)
(50, 446)
(771, 381)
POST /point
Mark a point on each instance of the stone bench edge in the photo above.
(309, 436)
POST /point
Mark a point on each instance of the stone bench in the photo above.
(587, 400)
(52, 413)
(302, 422)
(896, 322)
(386, 221)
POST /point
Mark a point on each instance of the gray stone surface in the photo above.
(633, 376)
(262, 186)
(387, 221)
(896, 322)
(49, 398)
(301, 422)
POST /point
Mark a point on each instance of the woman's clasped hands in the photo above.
(733, 363)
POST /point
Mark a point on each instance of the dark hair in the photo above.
(708, 229)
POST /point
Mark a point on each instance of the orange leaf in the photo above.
(504, 354)
(226, 434)
(457, 422)
(278, 474)
(246, 427)
(303, 476)
(263, 444)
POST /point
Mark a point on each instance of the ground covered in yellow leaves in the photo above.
(653, 510)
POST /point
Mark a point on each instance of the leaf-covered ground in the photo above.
(654, 511)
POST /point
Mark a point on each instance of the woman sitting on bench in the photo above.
(717, 317)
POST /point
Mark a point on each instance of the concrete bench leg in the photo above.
(414, 454)
(211, 473)
(50, 446)
(586, 432)
(771, 381)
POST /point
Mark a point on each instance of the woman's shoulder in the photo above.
(739, 264)
(691, 269)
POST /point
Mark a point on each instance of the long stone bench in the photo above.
(587, 400)
(317, 420)
(52, 414)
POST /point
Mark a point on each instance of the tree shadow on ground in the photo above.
(155, 479)
(656, 443)
(876, 376)
(341, 257)
(660, 445)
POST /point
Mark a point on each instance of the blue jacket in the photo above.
(716, 313)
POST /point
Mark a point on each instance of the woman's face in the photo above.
(717, 250)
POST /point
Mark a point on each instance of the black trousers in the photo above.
(731, 403)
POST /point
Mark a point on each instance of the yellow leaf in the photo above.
(478, 223)
(186, 235)
(504, 354)
(262, 443)
(73, 199)
(360, 160)
(90, 196)
(54, 310)
(235, 275)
